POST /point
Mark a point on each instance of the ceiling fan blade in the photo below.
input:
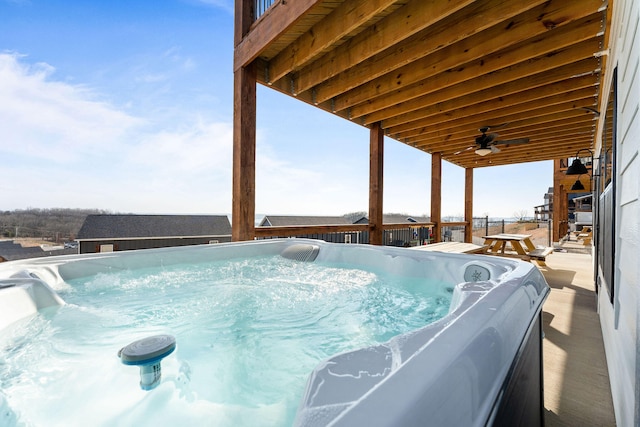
(497, 126)
(512, 141)
(462, 151)
(494, 149)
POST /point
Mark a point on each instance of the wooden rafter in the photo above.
(433, 72)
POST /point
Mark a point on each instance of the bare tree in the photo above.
(521, 215)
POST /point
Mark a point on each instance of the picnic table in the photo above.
(516, 246)
(453, 247)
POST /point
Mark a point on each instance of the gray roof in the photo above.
(153, 226)
(291, 220)
(396, 219)
(11, 251)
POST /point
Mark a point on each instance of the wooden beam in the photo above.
(343, 20)
(537, 134)
(475, 56)
(529, 109)
(484, 14)
(521, 101)
(244, 154)
(376, 167)
(280, 16)
(473, 124)
(480, 80)
(436, 195)
(404, 22)
(549, 141)
(482, 46)
(536, 144)
(532, 156)
(538, 115)
(468, 204)
(444, 136)
(543, 75)
(529, 153)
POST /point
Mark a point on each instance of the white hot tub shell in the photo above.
(479, 365)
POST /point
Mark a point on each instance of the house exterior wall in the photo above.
(620, 319)
(93, 246)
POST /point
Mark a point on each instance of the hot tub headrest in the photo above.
(301, 252)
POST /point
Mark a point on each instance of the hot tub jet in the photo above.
(148, 353)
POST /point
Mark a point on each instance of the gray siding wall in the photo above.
(620, 320)
(93, 246)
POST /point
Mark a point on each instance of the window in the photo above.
(605, 196)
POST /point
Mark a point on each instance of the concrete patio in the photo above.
(576, 381)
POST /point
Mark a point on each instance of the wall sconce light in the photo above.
(578, 168)
(577, 186)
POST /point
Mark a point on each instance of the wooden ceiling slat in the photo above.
(343, 20)
(471, 125)
(432, 72)
(540, 107)
(485, 14)
(579, 123)
(540, 141)
(540, 117)
(451, 68)
(454, 95)
(465, 85)
(552, 146)
(566, 150)
(452, 110)
(478, 47)
(404, 22)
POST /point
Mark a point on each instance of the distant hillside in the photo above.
(56, 225)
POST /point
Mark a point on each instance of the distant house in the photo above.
(396, 219)
(107, 233)
(401, 237)
(293, 220)
(11, 251)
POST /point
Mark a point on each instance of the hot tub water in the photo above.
(248, 333)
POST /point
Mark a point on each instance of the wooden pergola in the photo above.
(428, 74)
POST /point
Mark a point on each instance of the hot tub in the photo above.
(478, 364)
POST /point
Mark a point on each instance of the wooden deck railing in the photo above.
(325, 230)
(261, 6)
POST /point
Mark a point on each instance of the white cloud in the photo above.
(41, 117)
(220, 4)
(63, 146)
(191, 151)
(306, 189)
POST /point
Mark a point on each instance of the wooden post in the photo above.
(376, 164)
(564, 212)
(436, 194)
(244, 135)
(468, 205)
(556, 214)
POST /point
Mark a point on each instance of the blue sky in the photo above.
(127, 106)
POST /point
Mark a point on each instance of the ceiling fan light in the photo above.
(577, 168)
(577, 186)
(483, 151)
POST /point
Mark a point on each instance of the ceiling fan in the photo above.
(486, 143)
